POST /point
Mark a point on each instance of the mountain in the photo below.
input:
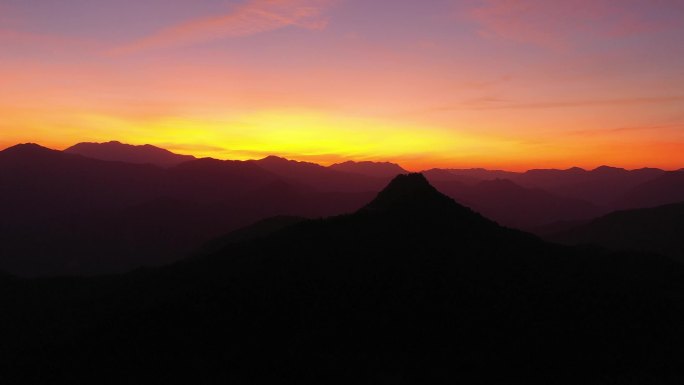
(481, 174)
(412, 288)
(602, 186)
(120, 152)
(375, 169)
(321, 178)
(515, 206)
(657, 230)
(665, 189)
(60, 210)
(435, 175)
(49, 183)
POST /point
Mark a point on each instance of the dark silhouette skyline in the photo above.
(68, 205)
(410, 288)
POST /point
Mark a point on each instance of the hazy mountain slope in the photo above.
(36, 182)
(515, 206)
(375, 169)
(436, 175)
(321, 178)
(60, 209)
(665, 189)
(658, 230)
(602, 186)
(481, 174)
(120, 152)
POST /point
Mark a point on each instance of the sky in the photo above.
(510, 84)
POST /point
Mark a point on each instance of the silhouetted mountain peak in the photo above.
(407, 190)
(378, 169)
(121, 152)
(28, 149)
(276, 163)
(273, 162)
(273, 158)
(608, 170)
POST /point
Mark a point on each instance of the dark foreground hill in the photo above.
(411, 289)
(658, 230)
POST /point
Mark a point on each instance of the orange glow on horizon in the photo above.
(429, 84)
(325, 139)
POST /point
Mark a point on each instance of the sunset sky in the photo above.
(511, 84)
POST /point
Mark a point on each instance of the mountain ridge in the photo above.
(120, 152)
(377, 169)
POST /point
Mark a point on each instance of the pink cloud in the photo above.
(252, 17)
(555, 24)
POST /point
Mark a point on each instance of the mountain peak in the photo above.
(273, 159)
(408, 190)
(28, 148)
(377, 169)
(122, 152)
(607, 169)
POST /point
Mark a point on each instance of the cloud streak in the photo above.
(557, 24)
(503, 104)
(252, 17)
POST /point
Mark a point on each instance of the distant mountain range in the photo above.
(152, 206)
(319, 177)
(604, 186)
(410, 288)
(69, 206)
(515, 206)
(377, 169)
(119, 152)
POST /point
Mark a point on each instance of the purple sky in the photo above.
(505, 83)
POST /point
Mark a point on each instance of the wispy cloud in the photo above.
(555, 24)
(189, 147)
(611, 132)
(491, 103)
(252, 17)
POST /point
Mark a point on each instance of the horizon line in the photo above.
(285, 157)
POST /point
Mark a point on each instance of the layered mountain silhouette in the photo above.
(119, 152)
(665, 189)
(515, 206)
(411, 288)
(59, 208)
(604, 186)
(657, 230)
(376, 169)
(319, 177)
(471, 174)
